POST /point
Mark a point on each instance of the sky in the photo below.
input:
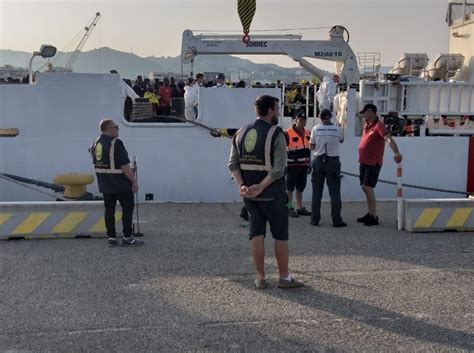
(155, 27)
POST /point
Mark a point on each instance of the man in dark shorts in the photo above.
(371, 150)
(257, 162)
(298, 164)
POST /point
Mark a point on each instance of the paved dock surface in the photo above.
(190, 288)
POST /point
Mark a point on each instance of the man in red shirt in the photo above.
(165, 93)
(371, 150)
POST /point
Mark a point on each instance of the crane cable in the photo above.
(60, 55)
(246, 10)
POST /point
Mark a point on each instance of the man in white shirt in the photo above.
(325, 140)
(191, 97)
(127, 91)
(327, 92)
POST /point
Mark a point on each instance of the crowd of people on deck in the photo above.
(171, 97)
(9, 79)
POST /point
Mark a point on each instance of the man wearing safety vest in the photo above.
(116, 180)
(298, 163)
(257, 162)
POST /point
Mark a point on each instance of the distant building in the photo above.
(211, 76)
(13, 72)
(51, 68)
(161, 75)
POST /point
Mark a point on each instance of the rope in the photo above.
(214, 132)
(413, 186)
(217, 133)
(246, 10)
(32, 188)
(54, 187)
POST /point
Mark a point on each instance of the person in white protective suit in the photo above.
(191, 97)
(327, 92)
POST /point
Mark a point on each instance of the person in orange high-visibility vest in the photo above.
(299, 155)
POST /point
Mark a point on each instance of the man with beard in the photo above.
(257, 162)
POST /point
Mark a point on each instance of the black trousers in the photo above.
(331, 173)
(126, 202)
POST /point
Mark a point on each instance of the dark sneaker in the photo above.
(292, 213)
(113, 242)
(303, 212)
(293, 283)
(261, 284)
(244, 214)
(315, 223)
(371, 221)
(363, 218)
(132, 242)
(339, 224)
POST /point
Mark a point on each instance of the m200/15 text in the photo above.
(336, 54)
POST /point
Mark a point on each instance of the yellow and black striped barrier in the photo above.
(46, 220)
(437, 215)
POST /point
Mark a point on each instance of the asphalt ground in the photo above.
(190, 288)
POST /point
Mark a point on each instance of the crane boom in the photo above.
(83, 41)
(335, 49)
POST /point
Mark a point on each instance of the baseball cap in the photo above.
(325, 113)
(301, 114)
(220, 77)
(369, 106)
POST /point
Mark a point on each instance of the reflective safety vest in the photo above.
(256, 143)
(299, 153)
(102, 152)
(110, 177)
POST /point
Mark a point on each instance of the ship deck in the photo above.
(190, 288)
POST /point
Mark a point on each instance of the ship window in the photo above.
(455, 11)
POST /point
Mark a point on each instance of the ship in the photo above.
(57, 117)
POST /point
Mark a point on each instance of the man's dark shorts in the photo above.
(275, 212)
(296, 178)
(369, 174)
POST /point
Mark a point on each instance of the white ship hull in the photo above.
(58, 120)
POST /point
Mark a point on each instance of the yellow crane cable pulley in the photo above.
(246, 10)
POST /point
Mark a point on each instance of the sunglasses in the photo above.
(115, 127)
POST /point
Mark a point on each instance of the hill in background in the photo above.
(130, 65)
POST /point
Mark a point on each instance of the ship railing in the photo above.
(417, 101)
(309, 106)
(369, 64)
